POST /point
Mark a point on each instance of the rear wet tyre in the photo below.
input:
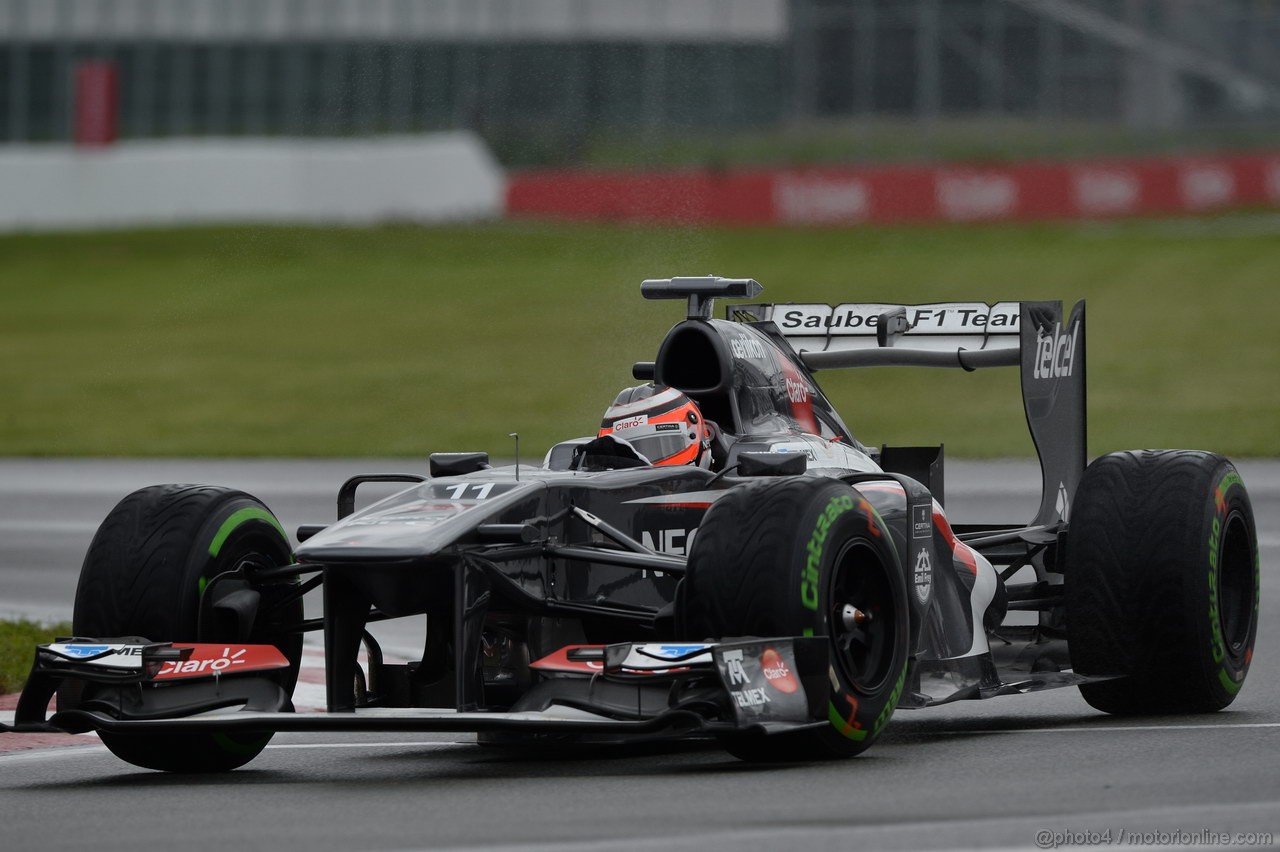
(1162, 582)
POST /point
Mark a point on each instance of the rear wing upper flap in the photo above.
(879, 334)
(1048, 348)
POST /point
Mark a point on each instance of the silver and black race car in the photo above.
(784, 596)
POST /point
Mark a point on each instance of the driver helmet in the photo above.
(661, 423)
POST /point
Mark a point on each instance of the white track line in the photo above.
(988, 833)
(36, 754)
(81, 751)
(1102, 729)
(439, 745)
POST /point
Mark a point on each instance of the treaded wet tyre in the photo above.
(144, 575)
(1162, 582)
(784, 558)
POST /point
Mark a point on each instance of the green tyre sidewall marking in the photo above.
(838, 517)
(237, 518)
(242, 745)
(1227, 501)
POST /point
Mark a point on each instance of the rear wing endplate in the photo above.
(1034, 336)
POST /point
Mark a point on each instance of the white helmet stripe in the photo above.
(664, 397)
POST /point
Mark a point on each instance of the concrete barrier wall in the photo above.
(1085, 189)
(433, 178)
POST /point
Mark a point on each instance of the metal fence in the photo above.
(553, 72)
(340, 67)
(1147, 63)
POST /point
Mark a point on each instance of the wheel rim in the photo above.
(1235, 587)
(861, 617)
(279, 613)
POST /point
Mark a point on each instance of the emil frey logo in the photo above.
(923, 576)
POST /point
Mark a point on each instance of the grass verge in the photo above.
(18, 641)
(286, 341)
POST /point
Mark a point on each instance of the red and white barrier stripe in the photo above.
(890, 194)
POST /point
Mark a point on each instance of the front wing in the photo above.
(624, 691)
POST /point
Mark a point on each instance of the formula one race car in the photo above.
(723, 560)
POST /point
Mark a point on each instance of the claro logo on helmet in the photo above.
(1055, 353)
(630, 422)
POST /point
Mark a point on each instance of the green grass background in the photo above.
(282, 341)
(18, 641)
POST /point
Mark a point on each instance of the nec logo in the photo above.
(1055, 355)
(670, 542)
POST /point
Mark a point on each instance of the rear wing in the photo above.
(1035, 336)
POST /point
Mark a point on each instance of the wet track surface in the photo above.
(976, 774)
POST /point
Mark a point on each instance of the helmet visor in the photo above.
(660, 447)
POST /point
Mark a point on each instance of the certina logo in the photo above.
(630, 422)
(1055, 355)
(777, 673)
(797, 392)
(214, 664)
(921, 521)
(746, 347)
(737, 674)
